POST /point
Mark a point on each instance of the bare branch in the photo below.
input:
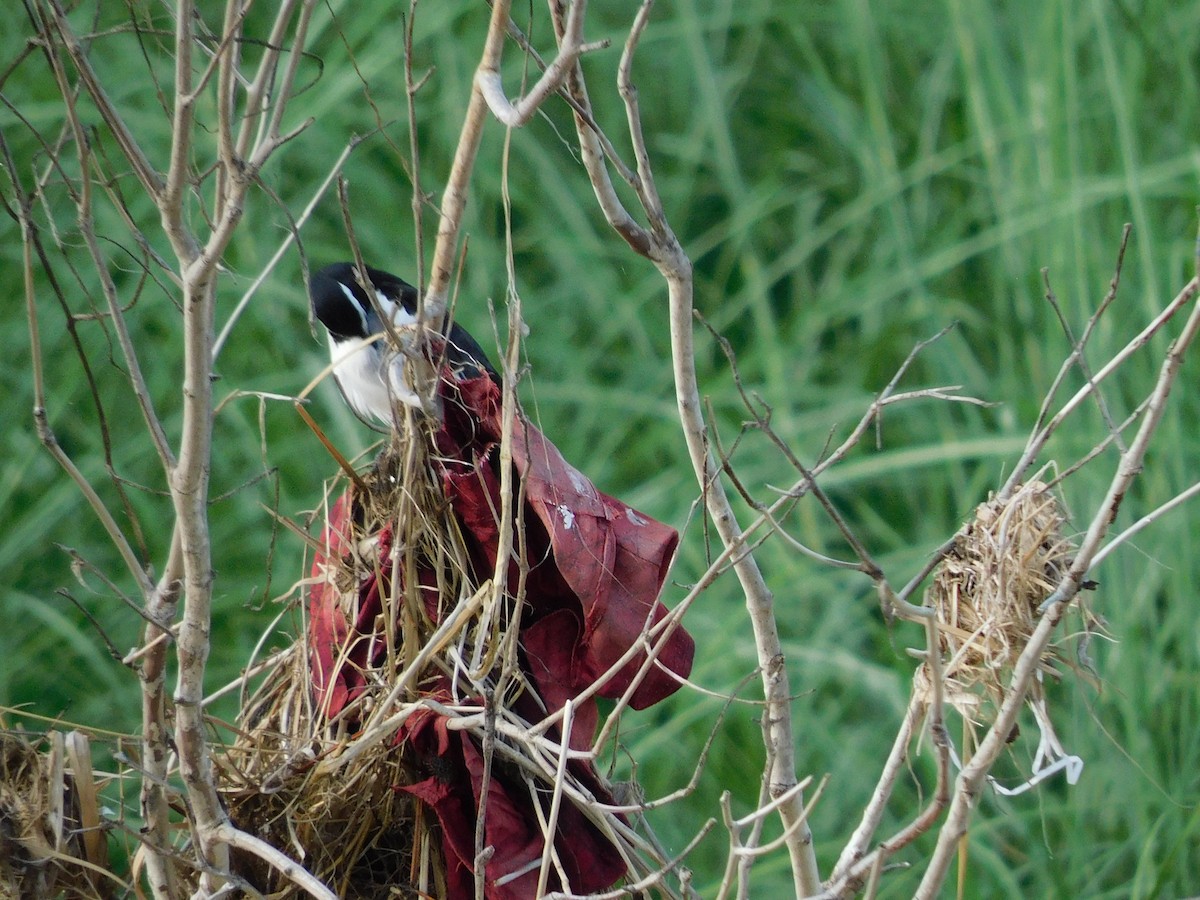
(1144, 522)
(660, 245)
(1078, 347)
(279, 861)
(570, 47)
(1038, 439)
(454, 198)
(971, 778)
(594, 148)
(41, 419)
(287, 242)
(145, 172)
(872, 816)
(411, 86)
(179, 168)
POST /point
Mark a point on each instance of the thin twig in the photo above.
(570, 48)
(279, 861)
(283, 247)
(874, 811)
(659, 244)
(146, 173)
(973, 774)
(1042, 434)
(1144, 522)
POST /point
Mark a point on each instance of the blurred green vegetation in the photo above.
(848, 178)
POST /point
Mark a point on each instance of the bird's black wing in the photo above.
(465, 357)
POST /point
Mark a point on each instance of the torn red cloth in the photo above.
(597, 565)
(596, 569)
(511, 825)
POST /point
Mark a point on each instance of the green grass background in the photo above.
(848, 179)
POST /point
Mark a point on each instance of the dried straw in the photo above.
(50, 841)
(987, 591)
(306, 782)
(323, 788)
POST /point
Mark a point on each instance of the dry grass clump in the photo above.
(50, 839)
(987, 591)
(348, 825)
(323, 787)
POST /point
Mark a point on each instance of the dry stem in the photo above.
(187, 568)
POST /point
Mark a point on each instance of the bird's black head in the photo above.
(351, 315)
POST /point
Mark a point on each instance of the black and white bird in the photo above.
(369, 371)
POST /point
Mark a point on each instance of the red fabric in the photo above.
(328, 628)
(595, 591)
(511, 826)
(596, 568)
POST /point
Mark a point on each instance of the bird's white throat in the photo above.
(370, 375)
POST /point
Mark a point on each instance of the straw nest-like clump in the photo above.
(50, 841)
(281, 779)
(987, 591)
(324, 788)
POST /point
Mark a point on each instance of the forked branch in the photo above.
(658, 243)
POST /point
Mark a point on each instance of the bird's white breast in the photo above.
(361, 367)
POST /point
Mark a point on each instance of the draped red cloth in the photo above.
(596, 569)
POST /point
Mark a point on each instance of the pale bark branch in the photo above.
(187, 572)
(41, 418)
(570, 47)
(146, 173)
(659, 244)
(284, 245)
(454, 197)
(485, 90)
(279, 861)
(1042, 434)
(971, 779)
(856, 846)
